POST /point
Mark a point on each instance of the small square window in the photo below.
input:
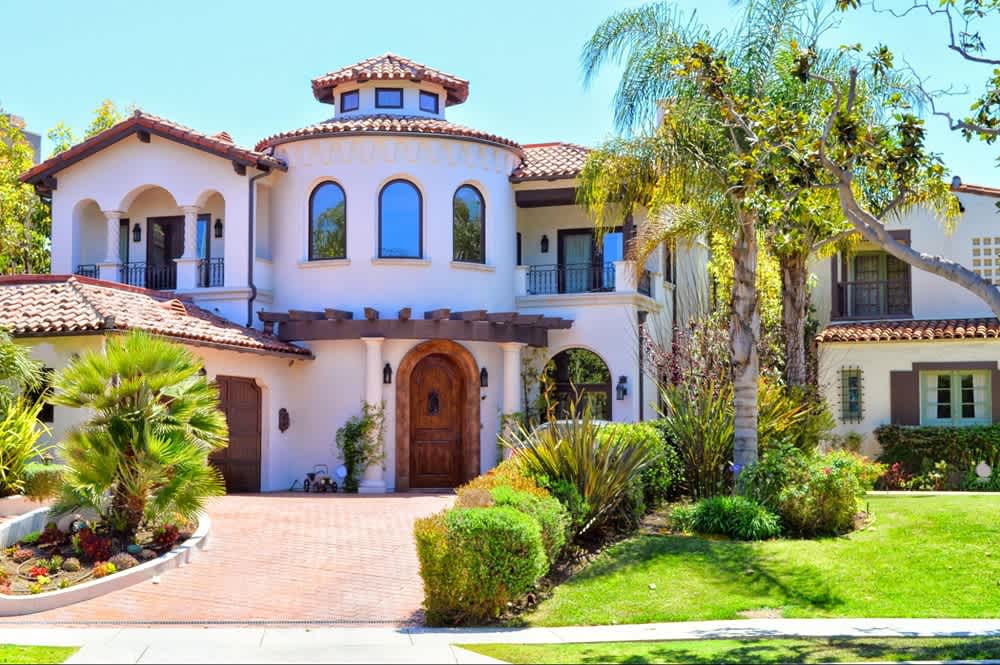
(350, 101)
(428, 102)
(987, 241)
(975, 241)
(976, 251)
(977, 262)
(996, 241)
(850, 395)
(389, 98)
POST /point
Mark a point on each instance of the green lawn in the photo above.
(836, 650)
(924, 556)
(12, 653)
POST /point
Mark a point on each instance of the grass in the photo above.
(831, 650)
(924, 556)
(13, 653)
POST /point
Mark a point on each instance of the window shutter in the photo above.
(904, 398)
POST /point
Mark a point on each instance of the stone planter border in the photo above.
(15, 529)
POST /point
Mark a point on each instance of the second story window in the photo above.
(327, 222)
(400, 218)
(350, 101)
(878, 285)
(428, 102)
(468, 225)
(389, 98)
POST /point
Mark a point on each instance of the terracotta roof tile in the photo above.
(219, 144)
(67, 304)
(976, 189)
(386, 124)
(898, 331)
(550, 161)
(390, 67)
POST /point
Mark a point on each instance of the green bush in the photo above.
(43, 481)
(701, 425)
(919, 448)
(551, 516)
(569, 496)
(662, 477)
(474, 561)
(733, 516)
(509, 473)
(793, 417)
(19, 435)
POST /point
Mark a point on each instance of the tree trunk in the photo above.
(744, 333)
(794, 303)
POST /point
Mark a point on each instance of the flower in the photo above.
(827, 470)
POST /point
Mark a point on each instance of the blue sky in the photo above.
(245, 67)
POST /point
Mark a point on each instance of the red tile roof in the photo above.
(390, 67)
(551, 161)
(41, 305)
(218, 144)
(899, 331)
(976, 189)
(387, 124)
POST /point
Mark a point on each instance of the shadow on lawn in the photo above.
(732, 562)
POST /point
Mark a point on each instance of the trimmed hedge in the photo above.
(661, 479)
(919, 448)
(552, 517)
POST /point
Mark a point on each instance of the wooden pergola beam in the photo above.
(470, 315)
(338, 314)
(437, 314)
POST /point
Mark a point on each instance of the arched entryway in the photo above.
(581, 376)
(437, 416)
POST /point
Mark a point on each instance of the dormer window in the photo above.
(350, 101)
(428, 102)
(389, 98)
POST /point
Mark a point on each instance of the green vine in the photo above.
(360, 443)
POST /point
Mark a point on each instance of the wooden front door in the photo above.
(164, 243)
(239, 463)
(437, 398)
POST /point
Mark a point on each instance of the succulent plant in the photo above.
(71, 565)
(103, 569)
(65, 583)
(56, 562)
(148, 555)
(22, 555)
(123, 561)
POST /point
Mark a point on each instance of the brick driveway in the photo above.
(284, 558)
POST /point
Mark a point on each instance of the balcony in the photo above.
(553, 279)
(160, 277)
(210, 272)
(875, 299)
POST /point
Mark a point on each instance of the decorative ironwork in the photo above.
(88, 270)
(872, 299)
(851, 395)
(160, 277)
(433, 403)
(571, 278)
(211, 272)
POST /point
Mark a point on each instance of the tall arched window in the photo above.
(581, 376)
(468, 225)
(400, 217)
(327, 222)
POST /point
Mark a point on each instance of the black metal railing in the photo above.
(161, 277)
(866, 300)
(88, 270)
(645, 285)
(210, 272)
(571, 278)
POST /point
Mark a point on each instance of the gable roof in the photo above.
(911, 330)
(219, 144)
(389, 67)
(551, 161)
(49, 305)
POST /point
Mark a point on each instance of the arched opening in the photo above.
(468, 225)
(327, 222)
(400, 221)
(581, 376)
(90, 232)
(437, 416)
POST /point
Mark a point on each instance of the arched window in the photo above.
(468, 225)
(400, 217)
(327, 222)
(581, 376)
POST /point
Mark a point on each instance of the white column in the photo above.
(373, 480)
(625, 276)
(108, 269)
(187, 264)
(511, 376)
(521, 280)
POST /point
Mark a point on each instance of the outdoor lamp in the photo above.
(622, 388)
(136, 233)
(545, 244)
(218, 228)
(387, 374)
(484, 378)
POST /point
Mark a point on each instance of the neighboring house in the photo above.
(385, 255)
(901, 345)
(33, 139)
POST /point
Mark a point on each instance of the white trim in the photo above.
(469, 265)
(324, 263)
(401, 261)
(588, 299)
(215, 292)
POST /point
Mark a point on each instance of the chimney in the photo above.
(956, 182)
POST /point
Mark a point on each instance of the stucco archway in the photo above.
(470, 413)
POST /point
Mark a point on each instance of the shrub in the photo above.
(662, 477)
(508, 473)
(20, 431)
(93, 546)
(895, 477)
(793, 417)
(733, 516)
(166, 536)
(32, 538)
(700, 423)
(359, 441)
(474, 561)
(51, 535)
(43, 481)
(551, 516)
(932, 478)
(569, 496)
(918, 448)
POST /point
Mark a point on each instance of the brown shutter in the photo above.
(836, 309)
(995, 391)
(904, 398)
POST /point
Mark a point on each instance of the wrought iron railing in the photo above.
(161, 277)
(865, 300)
(571, 278)
(645, 285)
(88, 270)
(210, 272)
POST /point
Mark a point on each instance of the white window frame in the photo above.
(982, 397)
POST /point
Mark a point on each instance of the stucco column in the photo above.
(187, 264)
(108, 269)
(373, 480)
(521, 280)
(625, 276)
(511, 377)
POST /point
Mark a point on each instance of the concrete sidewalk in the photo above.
(428, 645)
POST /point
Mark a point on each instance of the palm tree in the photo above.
(143, 455)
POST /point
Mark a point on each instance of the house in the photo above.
(385, 255)
(900, 345)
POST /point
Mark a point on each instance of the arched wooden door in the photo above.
(239, 463)
(437, 400)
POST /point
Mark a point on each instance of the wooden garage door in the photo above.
(239, 398)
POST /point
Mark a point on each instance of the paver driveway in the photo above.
(284, 558)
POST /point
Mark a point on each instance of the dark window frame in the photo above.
(482, 226)
(357, 101)
(47, 414)
(564, 388)
(378, 105)
(424, 94)
(124, 227)
(670, 262)
(312, 197)
(420, 220)
(852, 399)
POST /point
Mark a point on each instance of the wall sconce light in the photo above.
(621, 390)
(284, 420)
(137, 233)
(545, 244)
(387, 374)
(484, 378)
(218, 228)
